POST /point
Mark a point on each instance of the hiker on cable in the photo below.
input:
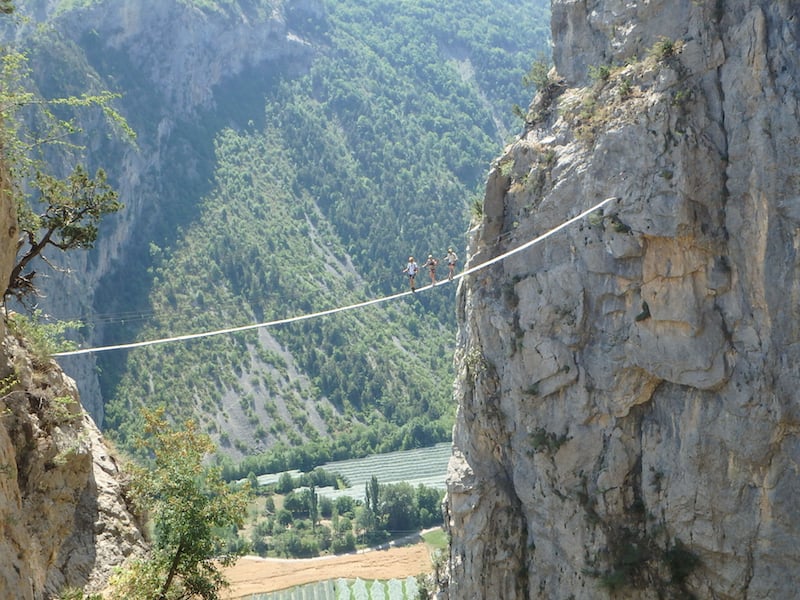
(411, 270)
(452, 259)
(431, 263)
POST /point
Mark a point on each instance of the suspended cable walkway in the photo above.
(358, 305)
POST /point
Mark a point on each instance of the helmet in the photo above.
(410, 258)
(430, 255)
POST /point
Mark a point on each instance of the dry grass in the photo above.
(253, 575)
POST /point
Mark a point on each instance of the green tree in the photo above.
(72, 210)
(370, 517)
(313, 506)
(325, 507)
(399, 507)
(429, 505)
(253, 481)
(73, 206)
(285, 484)
(342, 539)
(345, 506)
(284, 517)
(189, 504)
(296, 503)
(372, 495)
(538, 77)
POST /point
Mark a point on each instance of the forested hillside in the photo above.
(297, 187)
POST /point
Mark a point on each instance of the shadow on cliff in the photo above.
(174, 189)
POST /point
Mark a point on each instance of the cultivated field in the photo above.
(335, 575)
(253, 575)
(427, 466)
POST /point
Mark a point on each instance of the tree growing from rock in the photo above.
(72, 208)
(53, 212)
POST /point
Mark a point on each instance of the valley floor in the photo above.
(253, 575)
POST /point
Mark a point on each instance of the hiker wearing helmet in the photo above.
(451, 259)
(411, 270)
(431, 263)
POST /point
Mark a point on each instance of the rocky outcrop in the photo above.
(628, 418)
(65, 518)
(184, 50)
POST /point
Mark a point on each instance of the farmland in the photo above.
(253, 577)
(345, 589)
(427, 466)
(325, 512)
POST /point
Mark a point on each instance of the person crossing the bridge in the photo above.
(452, 259)
(411, 270)
(431, 263)
(302, 317)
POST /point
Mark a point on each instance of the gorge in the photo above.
(627, 421)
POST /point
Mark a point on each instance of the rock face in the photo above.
(628, 421)
(184, 51)
(65, 520)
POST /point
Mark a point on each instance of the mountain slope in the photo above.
(298, 382)
(273, 184)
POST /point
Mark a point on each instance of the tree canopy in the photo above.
(188, 504)
(63, 213)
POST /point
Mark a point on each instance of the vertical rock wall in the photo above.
(628, 410)
(64, 518)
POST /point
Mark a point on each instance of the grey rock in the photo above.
(627, 390)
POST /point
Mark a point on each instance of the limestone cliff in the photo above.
(628, 414)
(184, 50)
(63, 512)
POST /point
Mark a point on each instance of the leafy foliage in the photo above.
(188, 503)
(73, 206)
(538, 75)
(72, 210)
(40, 337)
(298, 529)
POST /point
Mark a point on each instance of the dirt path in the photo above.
(253, 575)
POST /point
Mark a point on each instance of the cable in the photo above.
(537, 239)
(483, 265)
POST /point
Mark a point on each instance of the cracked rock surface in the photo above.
(628, 406)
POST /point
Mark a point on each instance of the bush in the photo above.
(343, 543)
(40, 338)
(284, 517)
(285, 484)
